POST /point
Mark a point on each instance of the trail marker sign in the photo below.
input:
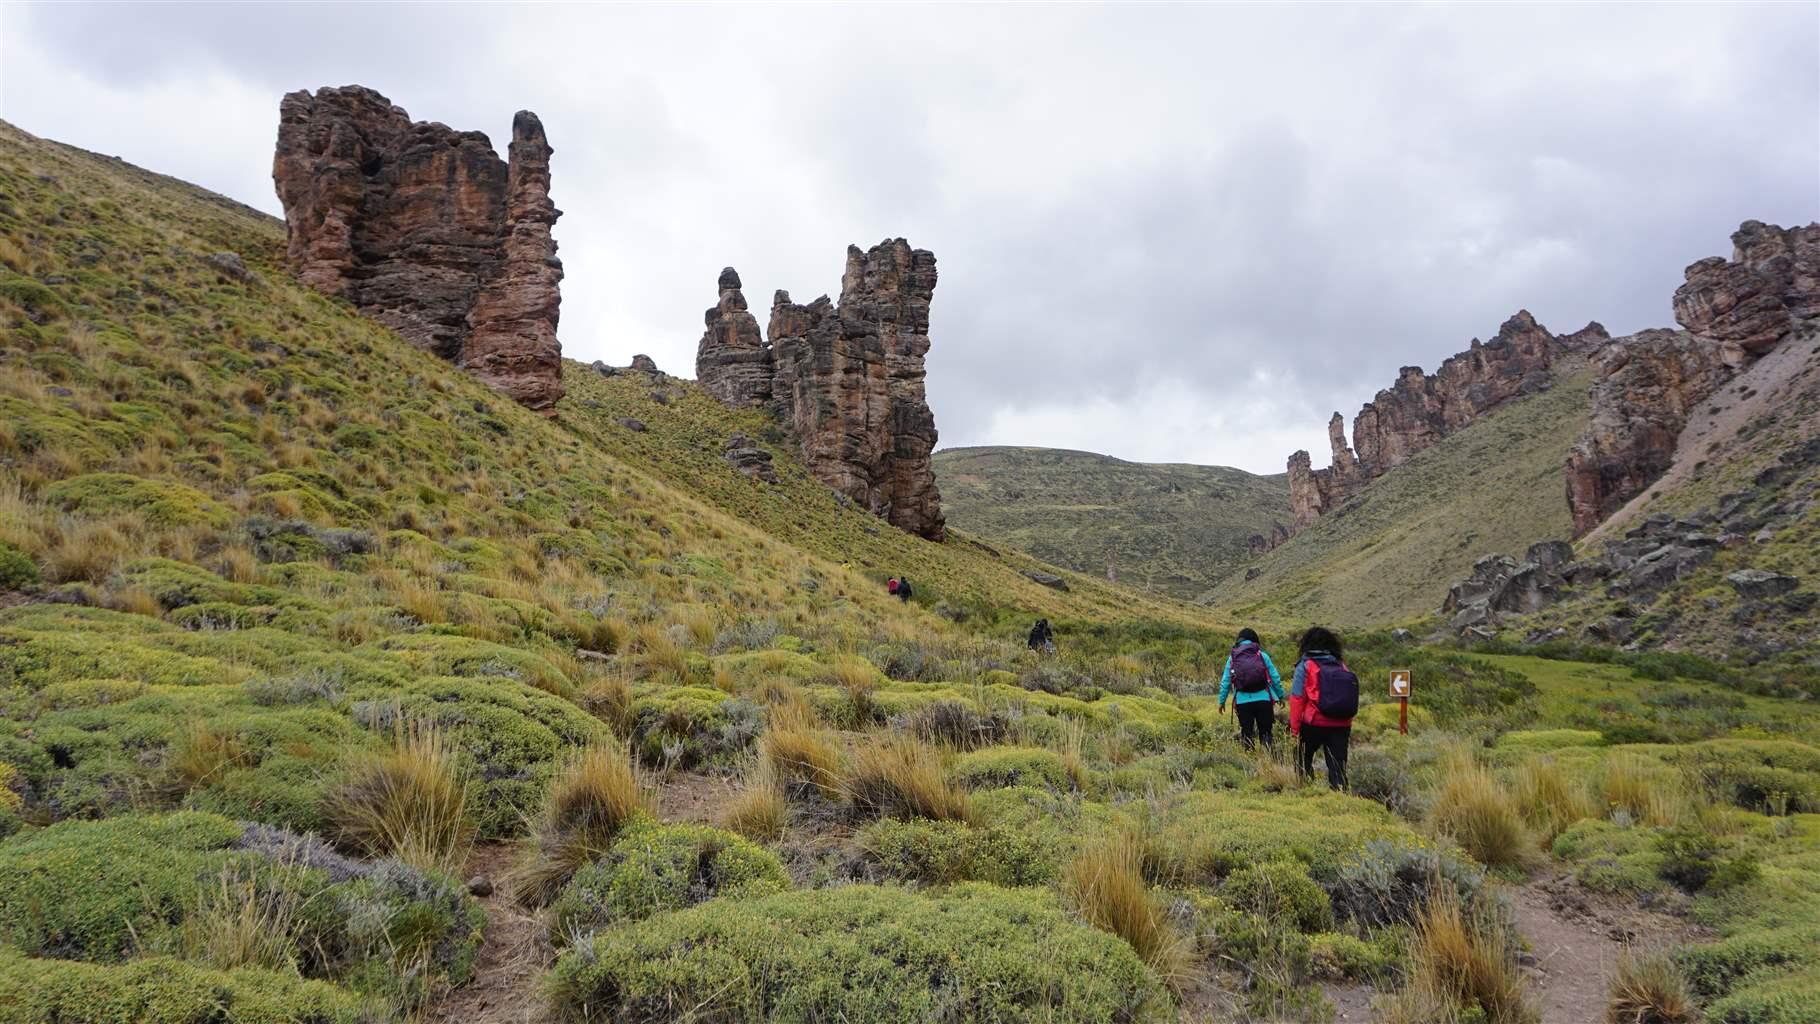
(1399, 688)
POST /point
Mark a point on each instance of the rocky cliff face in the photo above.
(1734, 312)
(1420, 409)
(425, 229)
(733, 360)
(846, 379)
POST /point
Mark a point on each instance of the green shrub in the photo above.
(1715, 969)
(1389, 882)
(1611, 858)
(1280, 891)
(997, 767)
(861, 955)
(1205, 835)
(944, 852)
(167, 991)
(1692, 860)
(17, 569)
(652, 868)
(156, 502)
(1336, 956)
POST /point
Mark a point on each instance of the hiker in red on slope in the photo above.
(1322, 702)
(891, 586)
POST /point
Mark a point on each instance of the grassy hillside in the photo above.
(1390, 554)
(300, 628)
(1174, 529)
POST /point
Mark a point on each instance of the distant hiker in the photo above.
(1042, 638)
(903, 589)
(1322, 702)
(891, 585)
(1251, 679)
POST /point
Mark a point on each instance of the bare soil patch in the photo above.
(514, 953)
(1574, 940)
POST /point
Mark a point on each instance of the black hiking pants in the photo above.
(1256, 719)
(1331, 741)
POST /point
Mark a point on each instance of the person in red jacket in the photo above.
(1322, 702)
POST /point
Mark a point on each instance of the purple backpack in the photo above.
(1248, 673)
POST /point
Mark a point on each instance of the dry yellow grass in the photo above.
(1105, 883)
(1466, 962)
(896, 776)
(408, 802)
(584, 810)
(1475, 810)
(1549, 799)
(799, 757)
(201, 753)
(1648, 988)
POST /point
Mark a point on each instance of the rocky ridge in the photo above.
(1734, 312)
(1420, 409)
(427, 230)
(846, 379)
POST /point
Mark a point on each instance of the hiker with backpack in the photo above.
(891, 586)
(903, 589)
(1042, 637)
(1251, 678)
(1322, 702)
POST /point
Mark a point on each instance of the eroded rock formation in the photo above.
(847, 380)
(427, 230)
(1734, 312)
(734, 361)
(1648, 384)
(1420, 409)
(1752, 301)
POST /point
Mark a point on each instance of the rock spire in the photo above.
(427, 230)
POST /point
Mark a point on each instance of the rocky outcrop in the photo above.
(846, 379)
(1420, 409)
(1751, 302)
(1648, 384)
(1260, 543)
(1734, 311)
(425, 229)
(733, 361)
(744, 454)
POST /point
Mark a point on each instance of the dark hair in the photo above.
(1319, 638)
(1250, 634)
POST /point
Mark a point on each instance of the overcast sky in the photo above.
(1167, 233)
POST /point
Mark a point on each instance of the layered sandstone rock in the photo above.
(425, 229)
(1752, 301)
(1735, 311)
(733, 360)
(847, 380)
(1420, 409)
(1648, 384)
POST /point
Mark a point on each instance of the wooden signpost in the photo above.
(1399, 688)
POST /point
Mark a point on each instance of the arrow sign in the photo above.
(1399, 682)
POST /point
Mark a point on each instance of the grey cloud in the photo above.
(1272, 208)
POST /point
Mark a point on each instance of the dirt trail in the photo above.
(514, 952)
(1575, 938)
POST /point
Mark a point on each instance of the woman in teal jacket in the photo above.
(1255, 691)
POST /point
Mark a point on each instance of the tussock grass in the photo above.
(202, 753)
(1459, 960)
(895, 776)
(609, 699)
(799, 757)
(1473, 807)
(1550, 800)
(1646, 792)
(237, 924)
(1105, 883)
(760, 812)
(1648, 988)
(408, 802)
(586, 806)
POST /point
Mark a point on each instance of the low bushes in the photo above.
(1389, 882)
(1280, 891)
(995, 767)
(861, 955)
(229, 895)
(168, 991)
(945, 852)
(653, 867)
